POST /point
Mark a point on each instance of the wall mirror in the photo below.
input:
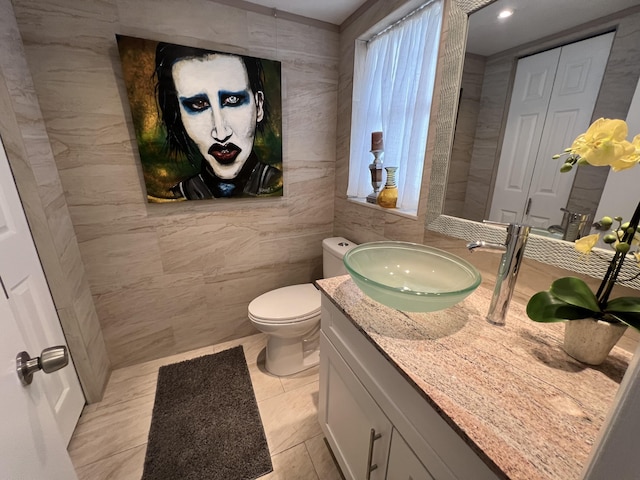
(457, 206)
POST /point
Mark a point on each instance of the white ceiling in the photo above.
(487, 35)
(331, 11)
(533, 19)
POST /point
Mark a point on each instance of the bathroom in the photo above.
(133, 282)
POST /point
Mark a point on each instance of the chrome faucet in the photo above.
(513, 253)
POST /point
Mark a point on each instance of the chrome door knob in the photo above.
(50, 360)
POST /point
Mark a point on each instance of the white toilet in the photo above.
(290, 316)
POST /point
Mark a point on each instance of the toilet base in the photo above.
(286, 356)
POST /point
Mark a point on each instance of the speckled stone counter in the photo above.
(528, 409)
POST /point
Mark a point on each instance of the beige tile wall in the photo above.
(167, 278)
(465, 133)
(488, 139)
(29, 151)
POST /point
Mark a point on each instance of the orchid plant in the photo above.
(603, 144)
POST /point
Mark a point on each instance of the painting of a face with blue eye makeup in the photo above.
(220, 113)
(207, 123)
(212, 105)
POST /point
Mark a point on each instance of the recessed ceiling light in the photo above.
(505, 13)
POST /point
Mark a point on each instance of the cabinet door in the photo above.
(348, 415)
(403, 463)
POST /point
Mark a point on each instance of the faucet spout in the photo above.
(486, 246)
(513, 253)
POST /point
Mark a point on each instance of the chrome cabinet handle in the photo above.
(373, 436)
(50, 360)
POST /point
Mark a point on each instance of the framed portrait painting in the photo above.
(208, 124)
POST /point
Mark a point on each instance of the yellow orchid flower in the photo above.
(586, 244)
(603, 143)
(630, 160)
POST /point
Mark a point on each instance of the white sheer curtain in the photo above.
(392, 93)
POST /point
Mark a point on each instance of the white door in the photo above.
(525, 122)
(552, 103)
(26, 293)
(31, 446)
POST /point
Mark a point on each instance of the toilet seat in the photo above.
(292, 304)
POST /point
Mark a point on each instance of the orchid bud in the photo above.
(610, 238)
(606, 222)
(565, 168)
(622, 247)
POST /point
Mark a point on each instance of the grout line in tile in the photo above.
(102, 459)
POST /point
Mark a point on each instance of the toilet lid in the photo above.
(287, 304)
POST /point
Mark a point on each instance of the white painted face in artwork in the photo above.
(218, 109)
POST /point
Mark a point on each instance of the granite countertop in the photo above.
(528, 409)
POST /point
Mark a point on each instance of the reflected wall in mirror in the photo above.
(500, 166)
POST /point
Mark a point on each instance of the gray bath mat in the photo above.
(206, 423)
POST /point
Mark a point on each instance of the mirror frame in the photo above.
(547, 250)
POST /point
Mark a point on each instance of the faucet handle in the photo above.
(512, 228)
(504, 224)
(497, 224)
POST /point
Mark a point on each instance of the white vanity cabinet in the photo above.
(373, 418)
(357, 429)
(367, 445)
(403, 463)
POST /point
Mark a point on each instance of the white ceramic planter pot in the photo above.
(590, 341)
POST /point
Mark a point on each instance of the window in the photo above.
(393, 89)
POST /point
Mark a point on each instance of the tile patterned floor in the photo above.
(110, 439)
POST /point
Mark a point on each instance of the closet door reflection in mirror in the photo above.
(552, 102)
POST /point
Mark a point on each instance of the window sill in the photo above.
(413, 215)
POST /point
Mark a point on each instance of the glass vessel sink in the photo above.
(411, 277)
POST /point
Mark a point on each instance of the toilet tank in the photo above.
(333, 249)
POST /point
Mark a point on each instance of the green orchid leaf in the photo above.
(624, 304)
(576, 292)
(625, 309)
(631, 319)
(545, 307)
